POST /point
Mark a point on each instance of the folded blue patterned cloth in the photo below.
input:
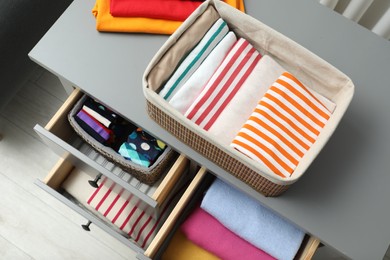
(141, 148)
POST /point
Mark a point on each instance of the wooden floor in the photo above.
(33, 225)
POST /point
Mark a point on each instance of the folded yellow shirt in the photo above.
(181, 248)
(105, 22)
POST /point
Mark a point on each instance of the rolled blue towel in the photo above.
(247, 218)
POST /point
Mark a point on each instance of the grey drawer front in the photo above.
(89, 216)
(80, 160)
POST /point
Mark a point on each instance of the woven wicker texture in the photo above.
(302, 63)
(146, 175)
(224, 160)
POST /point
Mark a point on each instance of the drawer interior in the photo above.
(194, 192)
(190, 198)
(61, 137)
(59, 124)
(70, 185)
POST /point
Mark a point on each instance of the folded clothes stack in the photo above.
(193, 60)
(106, 126)
(223, 84)
(146, 16)
(247, 101)
(128, 213)
(283, 126)
(180, 247)
(230, 225)
(142, 148)
(110, 129)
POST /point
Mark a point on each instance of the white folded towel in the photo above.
(193, 60)
(224, 84)
(251, 221)
(190, 90)
(241, 106)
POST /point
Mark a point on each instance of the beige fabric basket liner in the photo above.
(311, 70)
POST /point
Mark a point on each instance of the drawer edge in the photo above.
(170, 222)
(172, 177)
(67, 151)
(308, 249)
(87, 215)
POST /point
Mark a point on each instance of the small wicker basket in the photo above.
(148, 175)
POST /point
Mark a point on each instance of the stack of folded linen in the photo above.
(130, 214)
(247, 101)
(146, 16)
(104, 125)
(111, 130)
(230, 225)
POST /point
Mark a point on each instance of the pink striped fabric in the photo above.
(129, 213)
(224, 84)
(283, 126)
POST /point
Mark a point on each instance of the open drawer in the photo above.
(190, 198)
(70, 185)
(60, 136)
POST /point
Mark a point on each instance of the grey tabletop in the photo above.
(344, 197)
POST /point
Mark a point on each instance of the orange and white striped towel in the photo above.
(223, 84)
(129, 213)
(283, 126)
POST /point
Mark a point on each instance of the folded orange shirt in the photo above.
(239, 4)
(283, 126)
(105, 22)
(175, 10)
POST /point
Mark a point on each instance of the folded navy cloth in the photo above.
(120, 133)
(141, 148)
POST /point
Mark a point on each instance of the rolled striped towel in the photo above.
(224, 84)
(193, 60)
(190, 90)
(283, 126)
(130, 214)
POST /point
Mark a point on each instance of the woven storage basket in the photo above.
(311, 70)
(148, 175)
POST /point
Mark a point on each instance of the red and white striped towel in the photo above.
(283, 126)
(224, 84)
(128, 212)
